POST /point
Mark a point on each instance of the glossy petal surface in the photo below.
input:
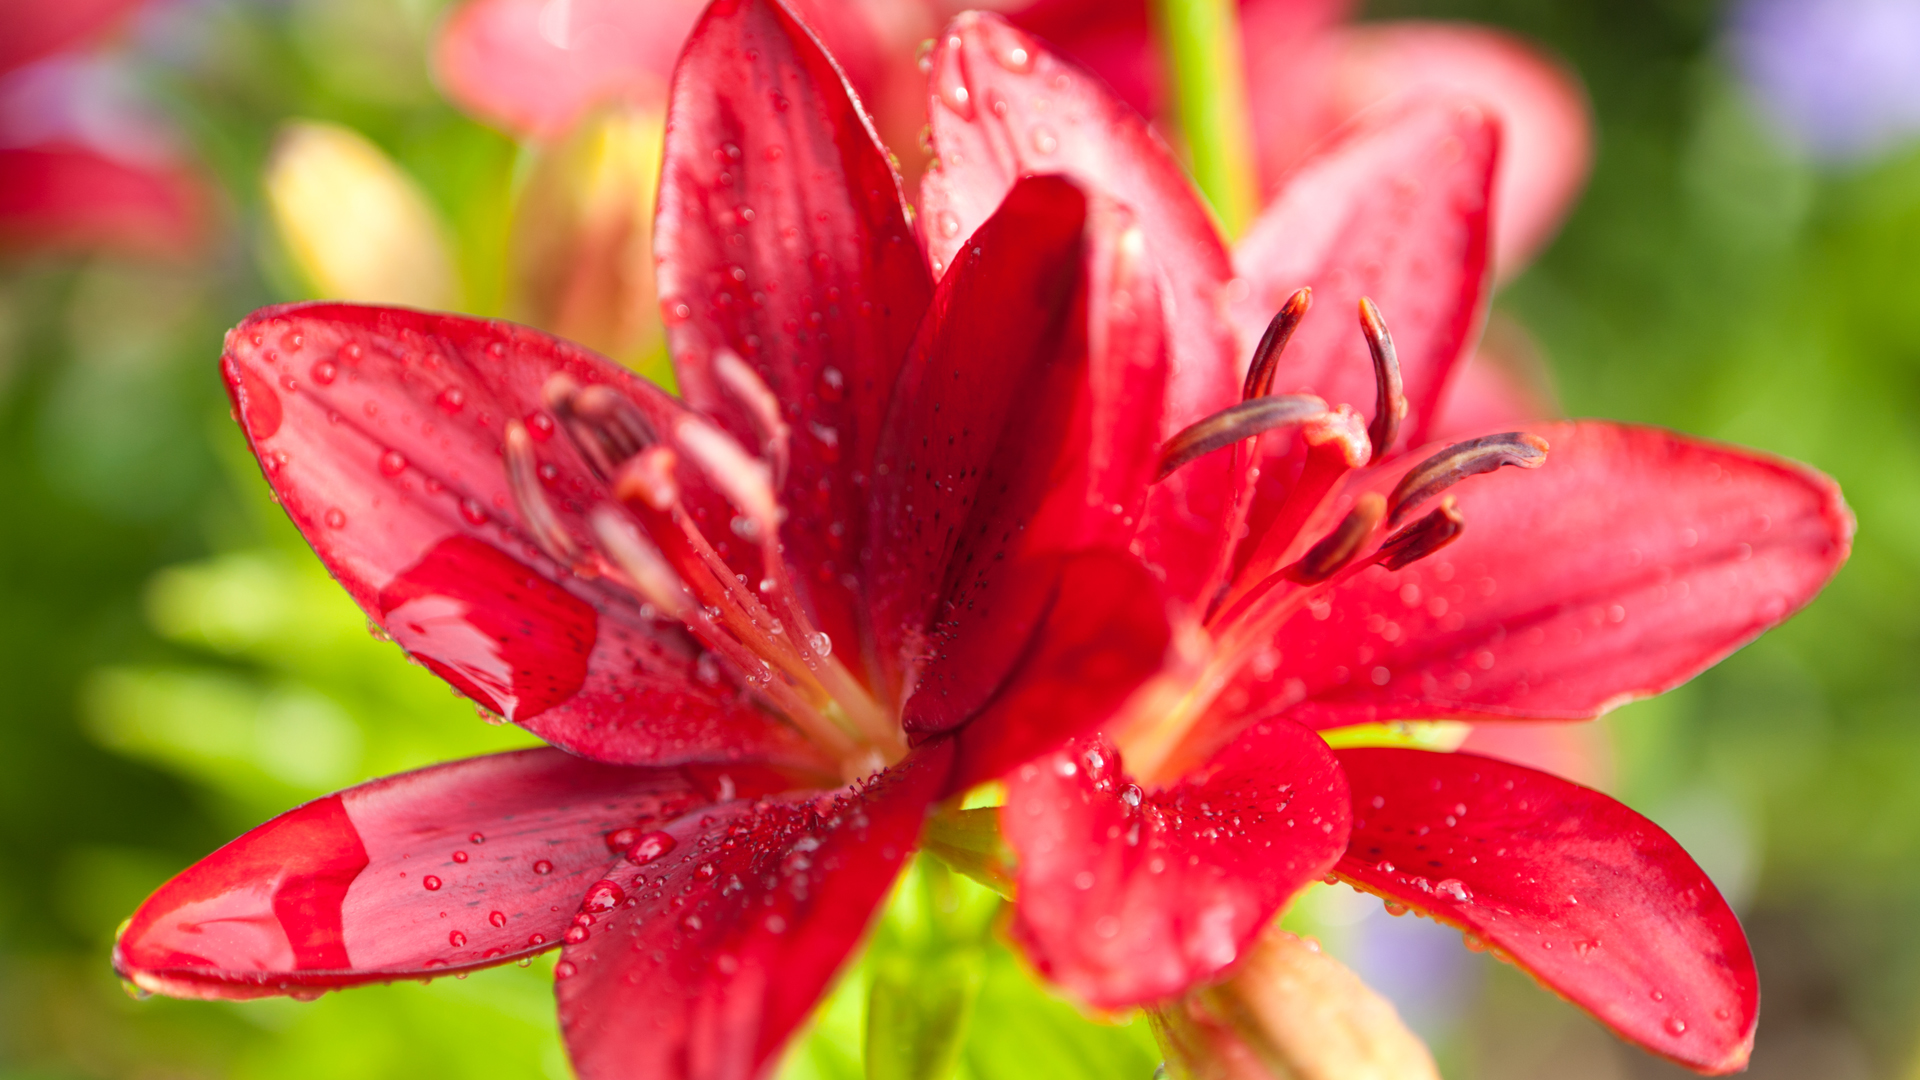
(714, 953)
(72, 198)
(1630, 561)
(1397, 211)
(1591, 898)
(782, 236)
(1128, 897)
(380, 431)
(1002, 106)
(1023, 428)
(456, 866)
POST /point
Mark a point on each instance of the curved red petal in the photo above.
(783, 237)
(1023, 426)
(1548, 144)
(1633, 559)
(1002, 106)
(70, 198)
(1589, 897)
(1101, 632)
(712, 955)
(456, 866)
(534, 67)
(1128, 897)
(1396, 210)
(36, 29)
(381, 430)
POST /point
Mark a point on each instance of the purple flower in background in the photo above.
(1842, 76)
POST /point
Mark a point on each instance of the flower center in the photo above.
(649, 542)
(1170, 730)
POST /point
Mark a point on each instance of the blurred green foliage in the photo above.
(178, 667)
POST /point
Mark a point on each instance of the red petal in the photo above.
(457, 866)
(1548, 143)
(70, 198)
(533, 67)
(36, 28)
(715, 954)
(1630, 561)
(1023, 426)
(1589, 897)
(1397, 211)
(380, 430)
(1102, 632)
(1128, 897)
(1003, 106)
(783, 236)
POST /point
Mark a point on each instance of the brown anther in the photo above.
(523, 480)
(1459, 461)
(1390, 396)
(1423, 537)
(1236, 422)
(1337, 548)
(647, 478)
(762, 407)
(601, 422)
(1266, 356)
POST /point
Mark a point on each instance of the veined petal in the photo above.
(783, 237)
(1542, 108)
(1589, 897)
(70, 198)
(1023, 427)
(381, 433)
(1629, 562)
(453, 867)
(1397, 211)
(1002, 105)
(1128, 897)
(701, 963)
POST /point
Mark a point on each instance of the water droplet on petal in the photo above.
(650, 847)
(536, 939)
(603, 896)
(477, 838)
(432, 883)
(821, 644)
(324, 373)
(1676, 1026)
(451, 400)
(1453, 889)
(543, 867)
(459, 856)
(1044, 140)
(497, 918)
(564, 970)
(948, 223)
(473, 512)
(457, 939)
(336, 518)
(393, 463)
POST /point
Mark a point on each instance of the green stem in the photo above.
(1200, 40)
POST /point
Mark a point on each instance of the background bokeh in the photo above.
(175, 667)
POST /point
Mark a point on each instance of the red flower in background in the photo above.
(1618, 563)
(64, 183)
(888, 514)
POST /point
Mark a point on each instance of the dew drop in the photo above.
(1396, 909)
(473, 512)
(536, 939)
(477, 838)
(451, 400)
(603, 896)
(459, 856)
(1131, 795)
(650, 847)
(543, 867)
(324, 372)
(706, 871)
(1044, 140)
(457, 939)
(432, 883)
(393, 463)
(948, 222)
(1676, 1026)
(564, 970)
(575, 935)
(1018, 59)
(954, 95)
(821, 644)
(497, 918)
(336, 518)
(1453, 889)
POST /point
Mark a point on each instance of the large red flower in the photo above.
(1333, 575)
(883, 540)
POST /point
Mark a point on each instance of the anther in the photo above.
(523, 480)
(647, 478)
(752, 393)
(1337, 548)
(1423, 537)
(1390, 397)
(742, 478)
(643, 564)
(1230, 425)
(1459, 461)
(603, 425)
(1266, 356)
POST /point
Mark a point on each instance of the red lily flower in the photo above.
(886, 531)
(1615, 563)
(67, 189)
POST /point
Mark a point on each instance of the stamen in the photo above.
(751, 392)
(648, 478)
(1390, 398)
(1459, 461)
(605, 426)
(743, 479)
(1338, 547)
(1266, 356)
(523, 480)
(1232, 424)
(1423, 537)
(645, 567)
